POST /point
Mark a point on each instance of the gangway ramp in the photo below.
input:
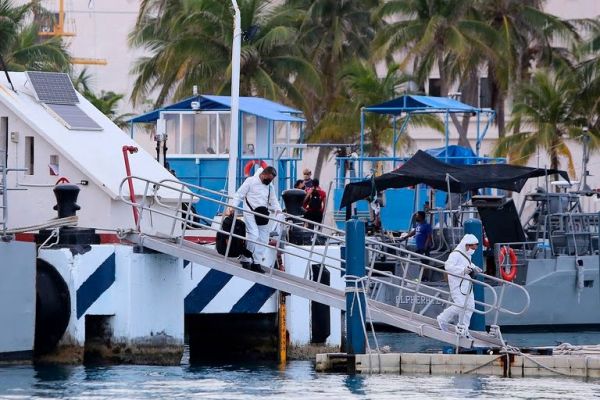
(174, 243)
(310, 290)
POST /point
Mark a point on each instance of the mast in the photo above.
(235, 100)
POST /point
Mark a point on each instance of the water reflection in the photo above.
(356, 384)
(51, 373)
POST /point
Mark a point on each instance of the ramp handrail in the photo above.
(182, 218)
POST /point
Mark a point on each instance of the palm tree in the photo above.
(332, 33)
(11, 18)
(21, 47)
(190, 44)
(526, 35)
(362, 88)
(27, 52)
(545, 114)
(446, 35)
(106, 102)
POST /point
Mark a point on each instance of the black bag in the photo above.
(238, 245)
(261, 220)
(261, 210)
(314, 202)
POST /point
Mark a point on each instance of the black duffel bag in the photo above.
(238, 245)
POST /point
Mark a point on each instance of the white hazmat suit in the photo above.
(253, 193)
(461, 289)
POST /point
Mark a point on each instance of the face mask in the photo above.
(265, 181)
(470, 252)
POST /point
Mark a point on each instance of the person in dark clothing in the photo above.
(422, 233)
(423, 240)
(299, 184)
(314, 203)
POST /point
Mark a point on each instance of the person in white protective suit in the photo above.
(461, 289)
(257, 194)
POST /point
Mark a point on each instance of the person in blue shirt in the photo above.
(422, 234)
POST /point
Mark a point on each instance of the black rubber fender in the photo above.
(52, 309)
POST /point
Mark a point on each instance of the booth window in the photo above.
(249, 135)
(201, 133)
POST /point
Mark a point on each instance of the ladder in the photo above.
(174, 243)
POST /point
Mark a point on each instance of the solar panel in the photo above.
(74, 118)
(53, 87)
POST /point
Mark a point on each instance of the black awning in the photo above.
(423, 168)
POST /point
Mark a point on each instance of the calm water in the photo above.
(297, 381)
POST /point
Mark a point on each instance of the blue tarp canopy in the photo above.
(454, 154)
(262, 108)
(416, 103)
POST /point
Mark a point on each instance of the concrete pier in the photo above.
(126, 306)
(504, 365)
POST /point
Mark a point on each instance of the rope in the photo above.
(54, 223)
(569, 349)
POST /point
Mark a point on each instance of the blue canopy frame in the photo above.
(417, 104)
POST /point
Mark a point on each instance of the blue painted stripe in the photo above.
(253, 299)
(205, 291)
(96, 284)
(185, 263)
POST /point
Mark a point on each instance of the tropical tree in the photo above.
(20, 46)
(588, 71)
(331, 34)
(11, 18)
(363, 87)
(544, 115)
(442, 35)
(106, 102)
(190, 44)
(526, 35)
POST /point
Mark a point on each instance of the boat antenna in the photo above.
(6, 73)
(585, 138)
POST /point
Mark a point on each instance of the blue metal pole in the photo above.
(362, 143)
(395, 142)
(473, 226)
(447, 132)
(355, 299)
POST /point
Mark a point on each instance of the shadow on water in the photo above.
(356, 384)
(53, 373)
(470, 383)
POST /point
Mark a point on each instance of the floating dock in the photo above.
(504, 365)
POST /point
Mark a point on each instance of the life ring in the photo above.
(252, 163)
(512, 257)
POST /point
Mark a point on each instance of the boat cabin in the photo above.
(51, 133)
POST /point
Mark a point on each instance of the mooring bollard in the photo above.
(473, 226)
(355, 295)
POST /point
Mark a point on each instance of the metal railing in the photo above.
(177, 210)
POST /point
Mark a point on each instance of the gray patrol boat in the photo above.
(554, 253)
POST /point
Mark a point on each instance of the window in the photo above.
(29, 155)
(485, 93)
(249, 135)
(435, 87)
(224, 132)
(172, 132)
(4, 140)
(53, 165)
